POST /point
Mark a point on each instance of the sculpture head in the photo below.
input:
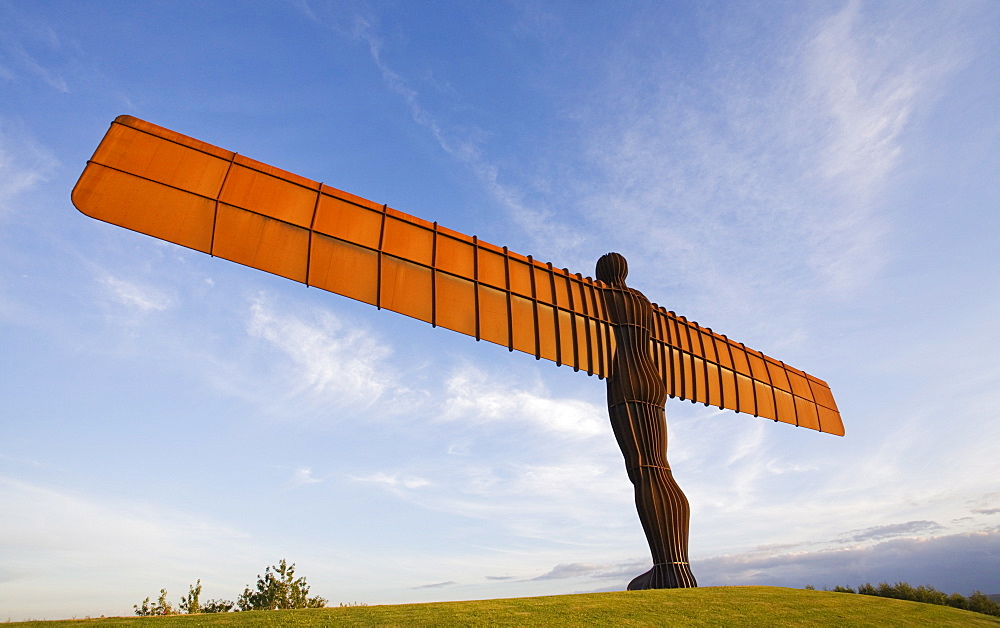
(612, 269)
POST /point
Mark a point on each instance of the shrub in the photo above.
(217, 606)
(189, 604)
(278, 589)
(162, 606)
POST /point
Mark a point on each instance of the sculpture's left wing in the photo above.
(155, 181)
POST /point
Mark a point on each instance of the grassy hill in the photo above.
(709, 606)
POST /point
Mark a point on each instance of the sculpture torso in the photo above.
(633, 375)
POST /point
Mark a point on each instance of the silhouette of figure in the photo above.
(636, 396)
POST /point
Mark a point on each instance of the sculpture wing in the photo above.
(703, 366)
(152, 180)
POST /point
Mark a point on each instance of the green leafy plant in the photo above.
(279, 589)
(190, 603)
(218, 606)
(162, 606)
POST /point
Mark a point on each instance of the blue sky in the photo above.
(816, 180)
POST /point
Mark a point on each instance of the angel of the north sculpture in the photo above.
(161, 183)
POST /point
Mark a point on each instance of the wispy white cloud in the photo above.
(436, 585)
(527, 462)
(624, 570)
(755, 185)
(49, 77)
(868, 104)
(24, 164)
(472, 396)
(139, 299)
(551, 480)
(304, 476)
(305, 8)
(863, 84)
(17, 34)
(345, 363)
(988, 504)
(395, 480)
(331, 358)
(893, 530)
(519, 500)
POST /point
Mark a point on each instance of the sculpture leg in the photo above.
(640, 429)
(664, 512)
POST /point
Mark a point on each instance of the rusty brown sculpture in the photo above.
(170, 186)
(636, 398)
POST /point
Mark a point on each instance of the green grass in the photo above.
(709, 606)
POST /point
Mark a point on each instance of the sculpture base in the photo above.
(669, 576)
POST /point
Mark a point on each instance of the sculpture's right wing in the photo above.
(703, 366)
(155, 181)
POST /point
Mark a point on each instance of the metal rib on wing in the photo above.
(152, 180)
(703, 366)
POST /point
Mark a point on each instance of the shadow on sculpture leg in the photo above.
(636, 399)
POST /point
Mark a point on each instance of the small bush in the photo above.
(279, 590)
(162, 606)
(218, 606)
(189, 603)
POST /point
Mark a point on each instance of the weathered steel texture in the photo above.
(700, 365)
(636, 397)
(167, 185)
(163, 184)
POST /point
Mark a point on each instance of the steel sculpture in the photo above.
(636, 399)
(167, 185)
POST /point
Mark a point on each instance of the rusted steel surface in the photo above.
(636, 396)
(167, 185)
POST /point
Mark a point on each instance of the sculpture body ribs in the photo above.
(636, 399)
(176, 188)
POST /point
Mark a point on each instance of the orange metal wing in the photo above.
(702, 366)
(161, 183)
(152, 180)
